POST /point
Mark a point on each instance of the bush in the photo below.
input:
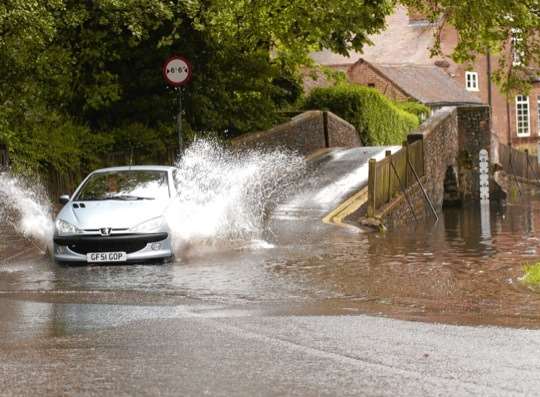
(47, 143)
(376, 118)
(532, 273)
(418, 109)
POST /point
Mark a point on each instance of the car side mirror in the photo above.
(64, 199)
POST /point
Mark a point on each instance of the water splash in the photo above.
(26, 208)
(224, 199)
(226, 195)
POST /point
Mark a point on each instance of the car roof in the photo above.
(136, 168)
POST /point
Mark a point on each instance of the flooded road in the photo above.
(306, 308)
(286, 318)
(462, 270)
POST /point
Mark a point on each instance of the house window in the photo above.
(471, 81)
(522, 115)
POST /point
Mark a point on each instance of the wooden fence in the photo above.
(394, 174)
(518, 163)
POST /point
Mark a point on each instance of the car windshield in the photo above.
(125, 185)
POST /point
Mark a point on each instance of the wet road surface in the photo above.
(286, 314)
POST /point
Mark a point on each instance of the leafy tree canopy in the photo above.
(488, 26)
(74, 72)
(88, 67)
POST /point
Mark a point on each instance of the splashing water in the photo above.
(226, 195)
(27, 209)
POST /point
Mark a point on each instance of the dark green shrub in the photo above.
(418, 109)
(377, 119)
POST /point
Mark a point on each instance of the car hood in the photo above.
(112, 213)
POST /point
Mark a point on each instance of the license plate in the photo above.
(96, 257)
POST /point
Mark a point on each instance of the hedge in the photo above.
(418, 109)
(376, 118)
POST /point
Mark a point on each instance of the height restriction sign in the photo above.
(177, 71)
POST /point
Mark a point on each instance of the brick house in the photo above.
(405, 45)
(400, 82)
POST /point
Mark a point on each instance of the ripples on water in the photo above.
(464, 269)
(449, 272)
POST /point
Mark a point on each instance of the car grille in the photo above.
(84, 247)
(116, 243)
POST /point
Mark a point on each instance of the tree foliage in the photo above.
(77, 76)
(487, 27)
(78, 71)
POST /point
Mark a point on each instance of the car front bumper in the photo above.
(139, 247)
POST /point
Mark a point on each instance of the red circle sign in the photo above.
(177, 71)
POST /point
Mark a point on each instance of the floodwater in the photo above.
(464, 269)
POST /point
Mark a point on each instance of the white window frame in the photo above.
(471, 81)
(523, 121)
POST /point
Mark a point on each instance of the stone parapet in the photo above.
(452, 139)
(305, 133)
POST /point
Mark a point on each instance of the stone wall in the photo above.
(452, 139)
(304, 133)
(474, 135)
(440, 138)
(340, 133)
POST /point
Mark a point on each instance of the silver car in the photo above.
(117, 215)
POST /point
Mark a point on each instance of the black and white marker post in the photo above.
(177, 72)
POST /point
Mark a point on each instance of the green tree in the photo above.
(488, 27)
(96, 66)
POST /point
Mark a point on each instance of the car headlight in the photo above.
(64, 228)
(151, 226)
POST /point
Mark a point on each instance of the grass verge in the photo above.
(532, 273)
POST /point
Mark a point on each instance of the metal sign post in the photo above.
(177, 72)
(179, 120)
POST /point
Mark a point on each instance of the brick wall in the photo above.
(304, 133)
(363, 73)
(449, 39)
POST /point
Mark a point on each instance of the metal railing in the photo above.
(519, 163)
(395, 173)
